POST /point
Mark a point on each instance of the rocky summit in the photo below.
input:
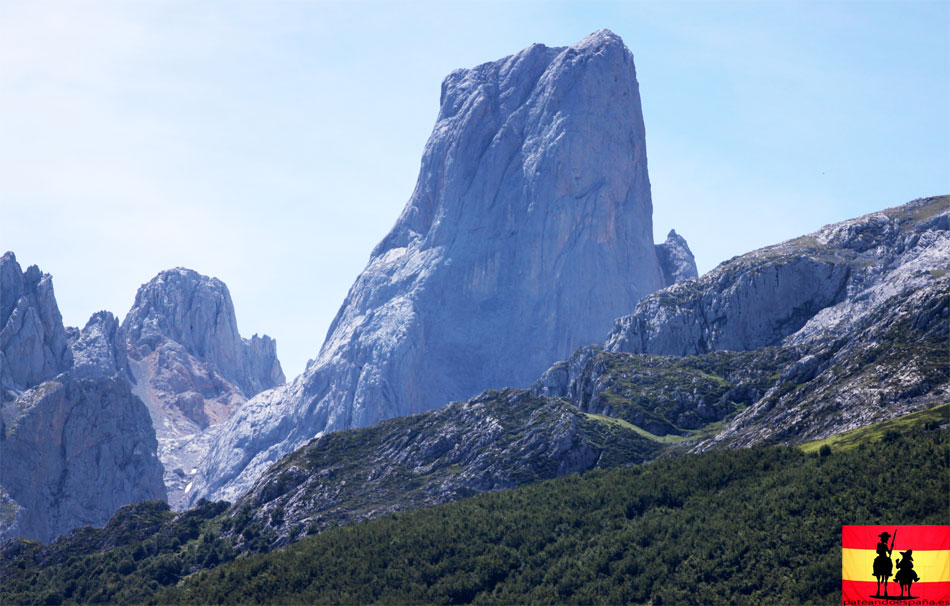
(33, 344)
(528, 232)
(114, 413)
(75, 442)
(190, 365)
(676, 259)
(196, 312)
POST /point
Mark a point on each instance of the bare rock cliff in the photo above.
(529, 230)
(796, 291)
(191, 366)
(33, 343)
(74, 451)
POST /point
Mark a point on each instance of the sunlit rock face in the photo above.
(182, 306)
(528, 233)
(798, 291)
(190, 365)
(33, 343)
(676, 259)
(74, 451)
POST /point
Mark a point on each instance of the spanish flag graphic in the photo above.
(895, 565)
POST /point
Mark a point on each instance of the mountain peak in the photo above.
(33, 345)
(598, 40)
(196, 312)
(676, 259)
(532, 201)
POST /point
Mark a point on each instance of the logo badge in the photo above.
(895, 564)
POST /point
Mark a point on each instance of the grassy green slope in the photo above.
(750, 526)
(885, 431)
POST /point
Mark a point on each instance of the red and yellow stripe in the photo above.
(931, 545)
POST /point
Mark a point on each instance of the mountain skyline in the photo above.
(520, 322)
(273, 147)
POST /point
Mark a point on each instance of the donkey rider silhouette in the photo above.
(882, 563)
(905, 571)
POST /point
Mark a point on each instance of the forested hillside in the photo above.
(747, 526)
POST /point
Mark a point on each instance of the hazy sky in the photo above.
(273, 144)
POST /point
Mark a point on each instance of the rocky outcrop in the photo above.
(857, 311)
(74, 451)
(795, 291)
(889, 362)
(497, 440)
(98, 350)
(191, 367)
(666, 396)
(33, 344)
(676, 259)
(533, 202)
(182, 306)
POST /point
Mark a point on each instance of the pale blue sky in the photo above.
(272, 144)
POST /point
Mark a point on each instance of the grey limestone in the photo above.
(33, 343)
(74, 451)
(528, 232)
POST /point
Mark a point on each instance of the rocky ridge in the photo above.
(497, 440)
(795, 291)
(891, 361)
(178, 351)
(847, 326)
(533, 201)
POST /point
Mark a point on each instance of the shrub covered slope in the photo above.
(752, 525)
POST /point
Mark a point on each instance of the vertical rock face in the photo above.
(99, 350)
(74, 451)
(676, 259)
(529, 231)
(77, 447)
(196, 312)
(190, 365)
(33, 345)
(75, 443)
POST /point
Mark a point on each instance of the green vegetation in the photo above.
(757, 525)
(673, 397)
(885, 430)
(143, 547)
(507, 434)
(911, 215)
(750, 526)
(667, 439)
